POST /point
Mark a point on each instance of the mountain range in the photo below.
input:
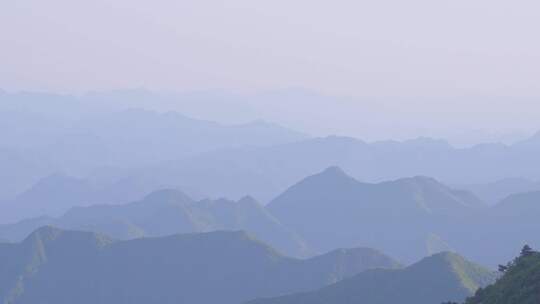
(494, 192)
(20, 170)
(320, 213)
(444, 276)
(55, 194)
(102, 201)
(37, 141)
(408, 218)
(101, 138)
(503, 228)
(405, 217)
(265, 172)
(168, 212)
(57, 266)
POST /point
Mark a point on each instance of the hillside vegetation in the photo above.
(520, 283)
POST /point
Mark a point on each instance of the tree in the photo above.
(526, 251)
(503, 268)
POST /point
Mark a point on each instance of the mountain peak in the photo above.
(330, 177)
(333, 173)
(249, 200)
(447, 256)
(316, 185)
(336, 170)
(469, 274)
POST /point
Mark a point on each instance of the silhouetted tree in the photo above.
(526, 251)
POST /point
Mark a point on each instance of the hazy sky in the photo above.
(465, 57)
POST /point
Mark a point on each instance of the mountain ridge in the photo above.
(366, 214)
(59, 266)
(170, 211)
(433, 279)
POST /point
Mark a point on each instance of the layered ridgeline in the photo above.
(444, 276)
(258, 158)
(494, 192)
(70, 139)
(168, 212)
(56, 266)
(55, 194)
(20, 169)
(519, 284)
(266, 171)
(504, 227)
(406, 218)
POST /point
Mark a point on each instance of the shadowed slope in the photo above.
(57, 266)
(445, 276)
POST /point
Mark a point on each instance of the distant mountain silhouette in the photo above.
(81, 137)
(19, 170)
(99, 132)
(56, 266)
(444, 276)
(53, 195)
(167, 212)
(493, 193)
(515, 205)
(134, 137)
(402, 217)
(505, 228)
(264, 172)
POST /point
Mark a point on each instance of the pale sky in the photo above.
(444, 57)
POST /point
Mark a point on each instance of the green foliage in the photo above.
(520, 283)
(526, 251)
